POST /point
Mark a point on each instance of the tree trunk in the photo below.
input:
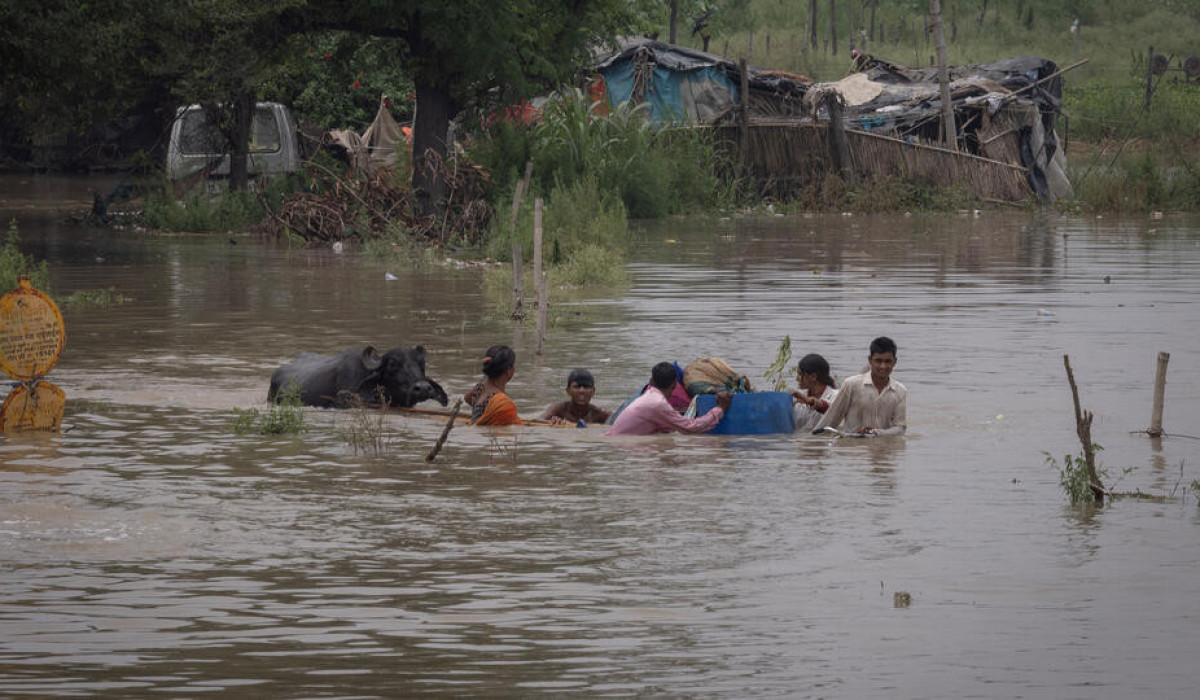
(833, 26)
(982, 15)
(432, 121)
(243, 116)
(674, 19)
(812, 24)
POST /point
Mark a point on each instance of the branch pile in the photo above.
(340, 207)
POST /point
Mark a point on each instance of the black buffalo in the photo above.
(358, 375)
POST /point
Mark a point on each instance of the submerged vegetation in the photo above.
(283, 418)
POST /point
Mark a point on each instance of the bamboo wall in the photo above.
(787, 157)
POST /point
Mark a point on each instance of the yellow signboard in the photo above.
(31, 333)
(38, 409)
(31, 340)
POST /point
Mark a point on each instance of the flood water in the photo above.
(149, 551)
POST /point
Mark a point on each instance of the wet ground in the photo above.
(150, 551)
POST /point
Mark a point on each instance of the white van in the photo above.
(196, 144)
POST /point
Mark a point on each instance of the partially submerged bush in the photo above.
(283, 418)
(14, 263)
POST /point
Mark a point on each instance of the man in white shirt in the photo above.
(872, 403)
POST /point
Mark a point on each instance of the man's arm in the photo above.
(553, 410)
(667, 418)
(837, 412)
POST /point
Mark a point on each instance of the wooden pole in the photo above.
(1160, 391)
(839, 147)
(543, 311)
(537, 241)
(1149, 79)
(518, 311)
(1083, 428)
(445, 432)
(949, 132)
(744, 118)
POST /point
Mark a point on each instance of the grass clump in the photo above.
(283, 418)
(14, 263)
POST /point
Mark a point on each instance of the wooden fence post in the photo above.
(1160, 391)
(543, 311)
(537, 241)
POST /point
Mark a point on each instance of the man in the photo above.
(651, 413)
(872, 403)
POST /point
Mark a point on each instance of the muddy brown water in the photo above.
(150, 551)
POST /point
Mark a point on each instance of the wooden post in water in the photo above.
(537, 241)
(1083, 428)
(1160, 391)
(543, 311)
(518, 311)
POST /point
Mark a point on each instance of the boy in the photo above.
(871, 403)
(581, 387)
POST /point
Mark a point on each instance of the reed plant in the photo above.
(364, 429)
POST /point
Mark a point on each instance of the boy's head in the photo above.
(663, 377)
(882, 358)
(581, 387)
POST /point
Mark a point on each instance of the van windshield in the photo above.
(199, 135)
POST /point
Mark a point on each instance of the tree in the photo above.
(475, 52)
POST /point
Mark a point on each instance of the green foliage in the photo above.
(94, 298)
(1073, 476)
(283, 418)
(592, 266)
(655, 171)
(1137, 183)
(334, 80)
(201, 212)
(778, 373)
(14, 263)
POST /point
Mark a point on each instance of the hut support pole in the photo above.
(839, 148)
(1160, 391)
(949, 132)
(744, 118)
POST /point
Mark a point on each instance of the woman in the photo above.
(489, 404)
(817, 392)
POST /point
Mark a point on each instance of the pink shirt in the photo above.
(651, 413)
